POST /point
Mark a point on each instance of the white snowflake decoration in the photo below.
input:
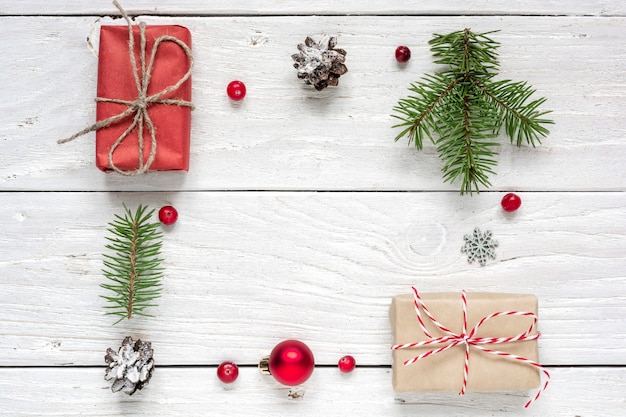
(479, 246)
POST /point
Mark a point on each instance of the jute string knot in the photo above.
(139, 106)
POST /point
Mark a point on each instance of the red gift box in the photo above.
(165, 124)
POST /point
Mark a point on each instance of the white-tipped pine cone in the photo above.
(130, 367)
(320, 64)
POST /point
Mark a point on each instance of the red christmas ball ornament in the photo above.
(227, 372)
(403, 54)
(511, 202)
(168, 215)
(346, 364)
(236, 90)
(290, 363)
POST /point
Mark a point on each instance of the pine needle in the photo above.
(462, 110)
(132, 265)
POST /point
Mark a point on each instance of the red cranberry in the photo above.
(168, 215)
(236, 90)
(511, 202)
(346, 364)
(403, 54)
(227, 372)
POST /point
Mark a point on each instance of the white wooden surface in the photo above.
(319, 7)
(259, 254)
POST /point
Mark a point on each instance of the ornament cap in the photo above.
(264, 365)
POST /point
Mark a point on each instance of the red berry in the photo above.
(346, 364)
(403, 54)
(236, 90)
(227, 372)
(168, 215)
(511, 202)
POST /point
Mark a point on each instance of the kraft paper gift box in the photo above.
(116, 81)
(444, 371)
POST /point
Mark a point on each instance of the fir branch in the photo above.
(418, 111)
(133, 266)
(462, 110)
(522, 120)
(466, 145)
(466, 51)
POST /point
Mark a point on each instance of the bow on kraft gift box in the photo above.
(483, 342)
(143, 108)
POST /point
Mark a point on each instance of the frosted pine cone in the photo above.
(131, 366)
(320, 64)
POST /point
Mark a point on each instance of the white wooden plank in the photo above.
(246, 270)
(318, 7)
(196, 391)
(285, 136)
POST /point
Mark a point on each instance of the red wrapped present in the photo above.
(143, 99)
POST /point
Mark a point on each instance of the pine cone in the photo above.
(131, 366)
(320, 64)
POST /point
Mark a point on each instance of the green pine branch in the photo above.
(133, 265)
(462, 110)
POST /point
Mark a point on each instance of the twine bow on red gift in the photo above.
(138, 108)
(451, 340)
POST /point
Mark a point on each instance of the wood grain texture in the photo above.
(246, 270)
(260, 254)
(319, 7)
(83, 392)
(284, 136)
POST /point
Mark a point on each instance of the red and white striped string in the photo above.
(451, 340)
